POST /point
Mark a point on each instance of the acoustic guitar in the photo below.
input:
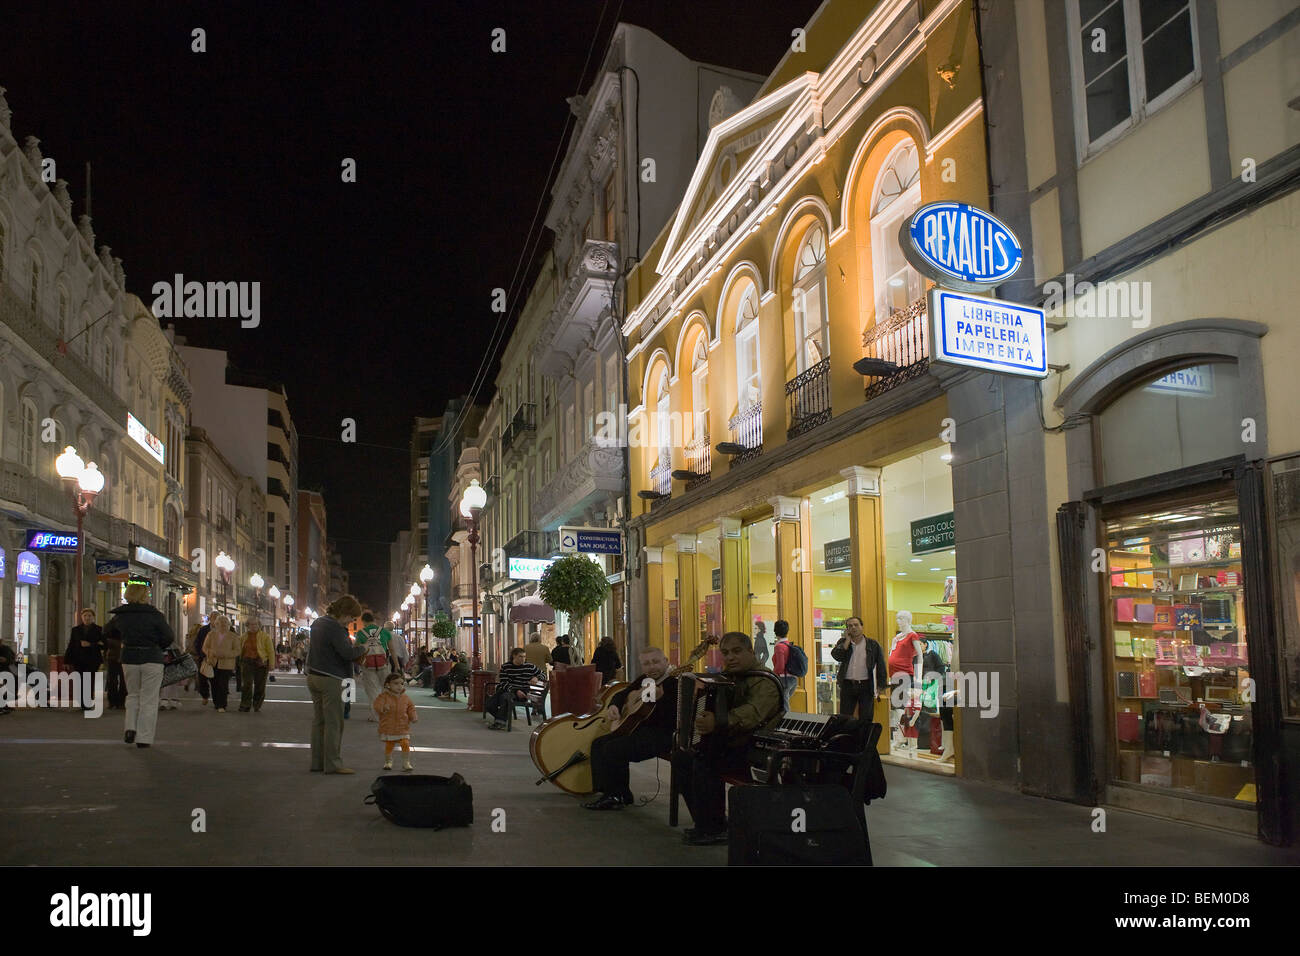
(636, 709)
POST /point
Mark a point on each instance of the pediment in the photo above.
(731, 146)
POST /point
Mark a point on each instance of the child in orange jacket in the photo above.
(396, 713)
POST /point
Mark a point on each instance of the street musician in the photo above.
(612, 754)
(754, 704)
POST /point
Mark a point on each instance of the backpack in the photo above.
(376, 656)
(796, 661)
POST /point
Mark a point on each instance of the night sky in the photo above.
(225, 166)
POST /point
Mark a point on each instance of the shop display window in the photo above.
(1180, 659)
(830, 563)
(1284, 509)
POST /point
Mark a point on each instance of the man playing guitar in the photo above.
(612, 754)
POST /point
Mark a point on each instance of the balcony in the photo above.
(584, 296)
(747, 430)
(588, 478)
(699, 459)
(532, 544)
(661, 476)
(900, 339)
(493, 488)
(808, 395)
(520, 429)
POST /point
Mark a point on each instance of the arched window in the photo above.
(700, 388)
(897, 196)
(810, 298)
(35, 302)
(748, 391)
(663, 421)
(27, 453)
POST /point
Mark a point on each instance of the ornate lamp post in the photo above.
(415, 602)
(257, 581)
(426, 575)
(274, 594)
(226, 564)
(84, 482)
(471, 506)
(288, 609)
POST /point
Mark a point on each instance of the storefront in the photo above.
(27, 582)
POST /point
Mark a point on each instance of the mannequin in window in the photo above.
(904, 664)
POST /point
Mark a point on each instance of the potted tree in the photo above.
(575, 585)
(442, 627)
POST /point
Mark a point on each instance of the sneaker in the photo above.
(388, 764)
(221, 710)
(406, 766)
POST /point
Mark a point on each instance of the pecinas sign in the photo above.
(959, 246)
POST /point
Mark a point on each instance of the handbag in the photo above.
(207, 670)
(177, 668)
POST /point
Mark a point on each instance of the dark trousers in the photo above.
(239, 681)
(499, 703)
(116, 685)
(254, 691)
(699, 780)
(220, 687)
(612, 756)
(441, 685)
(853, 693)
(87, 686)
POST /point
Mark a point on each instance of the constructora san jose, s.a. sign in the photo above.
(960, 246)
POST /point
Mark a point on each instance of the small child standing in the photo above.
(396, 712)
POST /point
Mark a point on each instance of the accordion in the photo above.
(697, 693)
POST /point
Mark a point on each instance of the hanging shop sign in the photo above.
(145, 438)
(1196, 381)
(151, 560)
(528, 569)
(936, 533)
(111, 571)
(2, 564)
(29, 568)
(960, 246)
(39, 540)
(838, 555)
(988, 334)
(591, 541)
(469, 621)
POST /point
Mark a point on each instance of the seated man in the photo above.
(612, 755)
(513, 682)
(754, 704)
(459, 673)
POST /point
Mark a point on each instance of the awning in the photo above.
(531, 610)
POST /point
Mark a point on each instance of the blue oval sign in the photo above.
(959, 245)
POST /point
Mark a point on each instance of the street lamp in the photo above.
(257, 581)
(274, 594)
(415, 600)
(227, 564)
(288, 610)
(84, 482)
(426, 575)
(471, 506)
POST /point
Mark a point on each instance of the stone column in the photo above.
(654, 587)
(867, 574)
(791, 605)
(688, 594)
(733, 558)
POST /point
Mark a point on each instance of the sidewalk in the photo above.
(75, 794)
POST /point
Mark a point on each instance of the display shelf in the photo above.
(951, 605)
(1213, 590)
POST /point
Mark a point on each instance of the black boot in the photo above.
(130, 736)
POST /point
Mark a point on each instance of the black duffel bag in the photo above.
(424, 800)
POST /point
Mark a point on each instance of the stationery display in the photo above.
(1187, 616)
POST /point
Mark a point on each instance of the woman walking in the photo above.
(85, 654)
(144, 633)
(330, 657)
(221, 650)
(605, 659)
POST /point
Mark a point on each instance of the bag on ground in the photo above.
(814, 824)
(424, 800)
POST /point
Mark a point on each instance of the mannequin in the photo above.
(905, 654)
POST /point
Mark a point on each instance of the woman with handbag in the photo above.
(85, 654)
(144, 633)
(220, 655)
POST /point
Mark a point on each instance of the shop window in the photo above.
(831, 570)
(897, 196)
(748, 371)
(1178, 651)
(1183, 417)
(810, 298)
(1129, 58)
(1284, 509)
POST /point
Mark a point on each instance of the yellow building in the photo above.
(772, 479)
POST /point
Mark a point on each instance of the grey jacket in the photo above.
(144, 633)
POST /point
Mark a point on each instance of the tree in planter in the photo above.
(575, 585)
(442, 628)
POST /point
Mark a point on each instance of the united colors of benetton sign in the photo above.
(960, 246)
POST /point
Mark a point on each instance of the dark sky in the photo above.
(225, 166)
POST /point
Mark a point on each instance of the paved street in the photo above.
(76, 795)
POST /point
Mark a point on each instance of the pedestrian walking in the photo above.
(144, 633)
(396, 713)
(300, 653)
(221, 650)
(256, 658)
(116, 679)
(84, 655)
(7, 659)
(330, 657)
(537, 653)
(203, 682)
(378, 662)
(605, 659)
(781, 659)
(564, 653)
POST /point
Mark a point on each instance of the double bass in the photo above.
(561, 747)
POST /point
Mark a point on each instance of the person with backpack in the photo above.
(789, 662)
(378, 662)
(862, 670)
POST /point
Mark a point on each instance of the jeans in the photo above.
(143, 682)
(326, 722)
(788, 684)
(611, 757)
(254, 691)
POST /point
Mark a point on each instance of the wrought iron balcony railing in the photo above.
(699, 460)
(809, 398)
(747, 430)
(902, 340)
(661, 475)
(522, 426)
